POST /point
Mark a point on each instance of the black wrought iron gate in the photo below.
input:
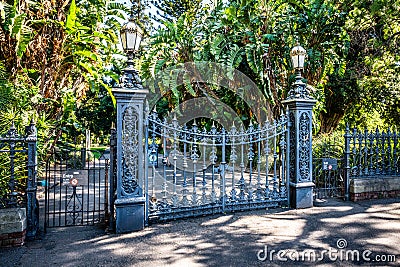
(328, 168)
(76, 188)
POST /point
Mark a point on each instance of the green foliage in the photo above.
(96, 113)
(352, 50)
(172, 9)
(53, 58)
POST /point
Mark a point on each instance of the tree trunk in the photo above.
(329, 121)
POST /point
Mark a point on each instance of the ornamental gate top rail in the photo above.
(253, 134)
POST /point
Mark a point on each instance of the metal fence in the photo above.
(18, 174)
(372, 153)
(76, 187)
(328, 167)
(216, 170)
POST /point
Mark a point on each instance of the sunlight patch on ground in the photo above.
(219, 220)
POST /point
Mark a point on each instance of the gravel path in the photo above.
(238, 239)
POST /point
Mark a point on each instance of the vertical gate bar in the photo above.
(194, 157)
(275, 161)
(87, 167)
(223, 162)
(66, 205)
(213, 159)
(146, 164)
(288, 125)
(54, 189)
(395, 151)
(111, 177)
(11, 183)
(60, 185)
(99, 209)
(74, 209)
(354, 150)
(165, 155)
(383, 156)
(232, 158)
(82, 194)
(347, 137)
(46, 198)
(242, 183)
(153, 140)
(94, 188)
(282, 151)
(376, 141)
(185, 165)
(98, 196)
(175, 200)
(204, 189)
(383, 139)
(389, 152)
(267, 150)
(365, 151)
(249, 137)
(106, 186)
(360, 156)
(372, 169)
(259, 156)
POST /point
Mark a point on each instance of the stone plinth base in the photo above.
(374, 187)
(301, 195)
(12, 227)
(129, 214)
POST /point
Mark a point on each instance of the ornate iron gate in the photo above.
(76, 187)
(216, 170)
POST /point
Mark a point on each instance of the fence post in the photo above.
(347, 137)
(112, 177)
(130, 202)
(300, 105)
(32, 208)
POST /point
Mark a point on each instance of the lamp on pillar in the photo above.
(299, 90)
(130, 96)
(300, 105)
(131, 37)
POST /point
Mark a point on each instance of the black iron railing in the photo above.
(18, 164)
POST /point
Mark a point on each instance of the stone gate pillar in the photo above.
(130, 202)
(300, 105)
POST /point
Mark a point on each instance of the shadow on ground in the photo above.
(232, 240)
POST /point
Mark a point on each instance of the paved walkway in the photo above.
(335, 231)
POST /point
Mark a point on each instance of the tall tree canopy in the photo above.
(173, 9)
(352, 49)
(52, 53)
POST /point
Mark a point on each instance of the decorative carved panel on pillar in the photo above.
(304, 147)
(130, 151)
